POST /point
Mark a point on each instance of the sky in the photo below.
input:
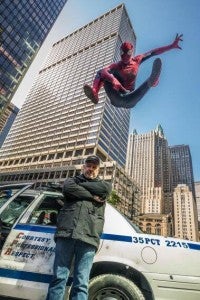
(175, 102)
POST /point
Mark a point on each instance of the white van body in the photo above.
(152, 267)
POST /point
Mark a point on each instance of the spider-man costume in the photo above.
(122, 75)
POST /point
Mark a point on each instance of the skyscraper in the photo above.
(57, 125)
(197, 193)
(7, 120)
(185, 213)
(181, 165)
(24, 24)
(148, 164)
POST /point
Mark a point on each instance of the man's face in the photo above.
(90, 170)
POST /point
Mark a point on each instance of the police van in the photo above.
(129, 265)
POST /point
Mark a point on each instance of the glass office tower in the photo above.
(24, 24)
(182, 169)
(58, 126)
(7, 120)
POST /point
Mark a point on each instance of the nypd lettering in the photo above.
(146, 240)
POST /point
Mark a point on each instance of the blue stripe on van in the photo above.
(37, 228)
(104, 236)
(194, 246)
(48, 229)
(116, 237)
(28, 276)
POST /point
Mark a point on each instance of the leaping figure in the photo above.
(119, 78)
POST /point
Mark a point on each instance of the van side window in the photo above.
(46, 211)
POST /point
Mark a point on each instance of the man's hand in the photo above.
(98, 199)
(60, 202)
(175, 44)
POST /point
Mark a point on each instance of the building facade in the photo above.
(159, 224)
(58, 126)
(185, 213)
(24, 24)
(7, 120)
(197, 193)
(181, 167)
(148, 164)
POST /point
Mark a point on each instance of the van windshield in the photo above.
(6, 194)
(135, 227)
(12, 212)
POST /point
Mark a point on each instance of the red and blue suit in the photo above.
(122, 75)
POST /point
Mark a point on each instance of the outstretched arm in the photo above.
(157, 51)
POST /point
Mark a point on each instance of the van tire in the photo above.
(110, 286)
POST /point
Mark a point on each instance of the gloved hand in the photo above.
(175, 44)
(117, 86)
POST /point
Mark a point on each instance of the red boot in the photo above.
(92, 92)
(155, 73)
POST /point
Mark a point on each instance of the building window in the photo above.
(158, 229)
(51, 156)
(46, 175)
(57, 174)
(89, 151)
(77, 161)
(79, 152)
(59, 155)
(29, 159)
(43, 157)
(68, 154)
(51, 176)
(148, 228)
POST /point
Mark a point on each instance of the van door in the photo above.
(13, 202)
(28, 253)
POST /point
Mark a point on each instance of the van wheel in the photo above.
(113, 287)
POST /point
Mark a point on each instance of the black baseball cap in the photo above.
(93, 159)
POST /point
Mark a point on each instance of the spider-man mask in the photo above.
(126, 52)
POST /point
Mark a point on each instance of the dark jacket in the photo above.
(82, 217)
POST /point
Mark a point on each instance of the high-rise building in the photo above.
(181, 167)
(24, 24)
(185, 213)
(57, 125)
(7, 120)
(148, 164)
(197, 194)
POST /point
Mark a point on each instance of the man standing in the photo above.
(79, 226)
